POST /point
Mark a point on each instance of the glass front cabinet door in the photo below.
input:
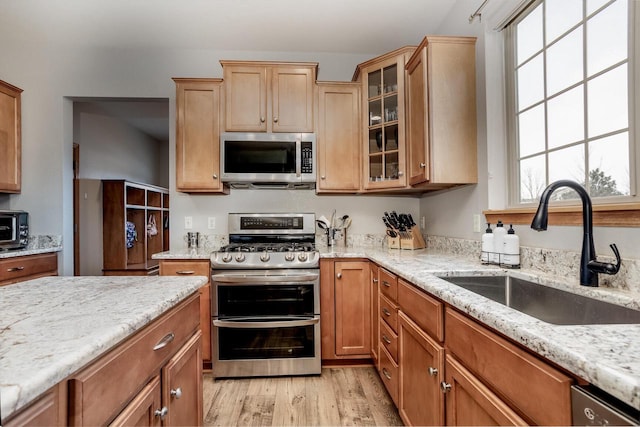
(382, 80)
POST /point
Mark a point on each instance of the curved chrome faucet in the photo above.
(589, 265)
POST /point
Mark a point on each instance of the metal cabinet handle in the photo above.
(261, 119)
(275, 120)
(385, 339)
(386, 312)
(386, 373)
(375, 280)
(185, 272)
(323, 177)
(161, 413)
(164, 341)
(423, 165)
(433, 371)
(339, 275)
(215, 176)
(15, 269)
(177, 393)
(400, 173)
(385, 283)
(445, 387)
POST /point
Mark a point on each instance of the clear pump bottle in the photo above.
(498, 242)
(487, 245)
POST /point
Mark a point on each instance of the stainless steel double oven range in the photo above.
(265, 297)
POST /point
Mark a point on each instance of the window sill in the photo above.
(612, 215)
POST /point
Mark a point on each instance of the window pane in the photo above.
(561, 15)
(530, 83)
(532, 178)
(531, 131)
(593, 5)
(607, 37)
(607, 99)
(564, 62)
(609, 166)
(567, 164)
(566, 118)
(529, 35)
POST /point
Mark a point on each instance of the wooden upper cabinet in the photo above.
(198, 135)
(441, 113)
(383, 98)
(338, 137)
(269, 96)
(10, 138)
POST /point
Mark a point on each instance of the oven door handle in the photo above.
(267, 324)
(247, 278)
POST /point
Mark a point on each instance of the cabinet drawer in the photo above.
(424, 310)
(389, 374)
(185, 268)
(99, 392)
(537, 391)
(20, 268)
(389, 284)
(389, 313)
(389, 340)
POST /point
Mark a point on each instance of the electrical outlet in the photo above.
(477, 223)
(211, 223)
(188, 222)
(423, 223)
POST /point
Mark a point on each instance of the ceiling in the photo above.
(331, 26)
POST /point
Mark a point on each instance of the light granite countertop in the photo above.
(53, 326)
(607, 356)
(37, 245)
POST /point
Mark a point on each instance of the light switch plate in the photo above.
(477, 223)
(188, 222)
(211, 223)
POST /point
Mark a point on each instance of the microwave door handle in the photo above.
(266, 324)
(298, 157)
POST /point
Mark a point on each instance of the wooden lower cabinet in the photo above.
(375, 304)
(21, 268)
(142, 409)
(345, 309)
(471, 403)
(195, 268)
(421, 363)
(49, 410)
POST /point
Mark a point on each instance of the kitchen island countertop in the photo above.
(607, 356)
(54, 326)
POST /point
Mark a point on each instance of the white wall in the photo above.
(451, 213)
(52, 76)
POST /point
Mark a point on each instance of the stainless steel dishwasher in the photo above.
(593, 407)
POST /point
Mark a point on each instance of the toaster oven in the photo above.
(14, 229)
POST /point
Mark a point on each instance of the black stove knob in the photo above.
(265, 257)
(240, 257)
(289, 256)
(302, 257)
(227, 257)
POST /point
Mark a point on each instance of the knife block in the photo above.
(393, 242)
(414, 240)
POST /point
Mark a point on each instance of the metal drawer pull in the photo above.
(385, 339)
(162, 413)
(177, 393)
(15, 269)
(244, 323)
(185, 272)
(445, 387)
(164, 341)
(433, 371)
(385, 283)
(375, 280)
(386, 373)
(386, 312)
(339, 275)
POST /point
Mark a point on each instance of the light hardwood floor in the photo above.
(338, 397)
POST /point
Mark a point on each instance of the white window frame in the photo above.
(513, 188)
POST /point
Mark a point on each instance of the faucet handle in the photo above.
(606, 267)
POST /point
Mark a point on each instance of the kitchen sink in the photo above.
(545, 303)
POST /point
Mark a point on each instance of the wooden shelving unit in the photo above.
(124, 201)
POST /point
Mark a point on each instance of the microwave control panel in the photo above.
(307, 157)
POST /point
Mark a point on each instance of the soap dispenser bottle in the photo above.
(511, 257)
(498, 242)
(487, 245)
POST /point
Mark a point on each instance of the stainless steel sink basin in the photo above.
(545, 303)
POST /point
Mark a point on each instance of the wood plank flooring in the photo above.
(343, 396)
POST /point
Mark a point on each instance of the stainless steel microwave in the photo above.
(14, 229)
(268, 160)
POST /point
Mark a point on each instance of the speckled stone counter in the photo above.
(37, 245)
(53, 326)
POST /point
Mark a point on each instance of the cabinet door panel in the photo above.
(10, 138)
(182, 385)
(421, 367)
(352, 303)
(375, 320)
(292, 99)
(417, 119)
(245, 98)
(142, 409)
(471, 403)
